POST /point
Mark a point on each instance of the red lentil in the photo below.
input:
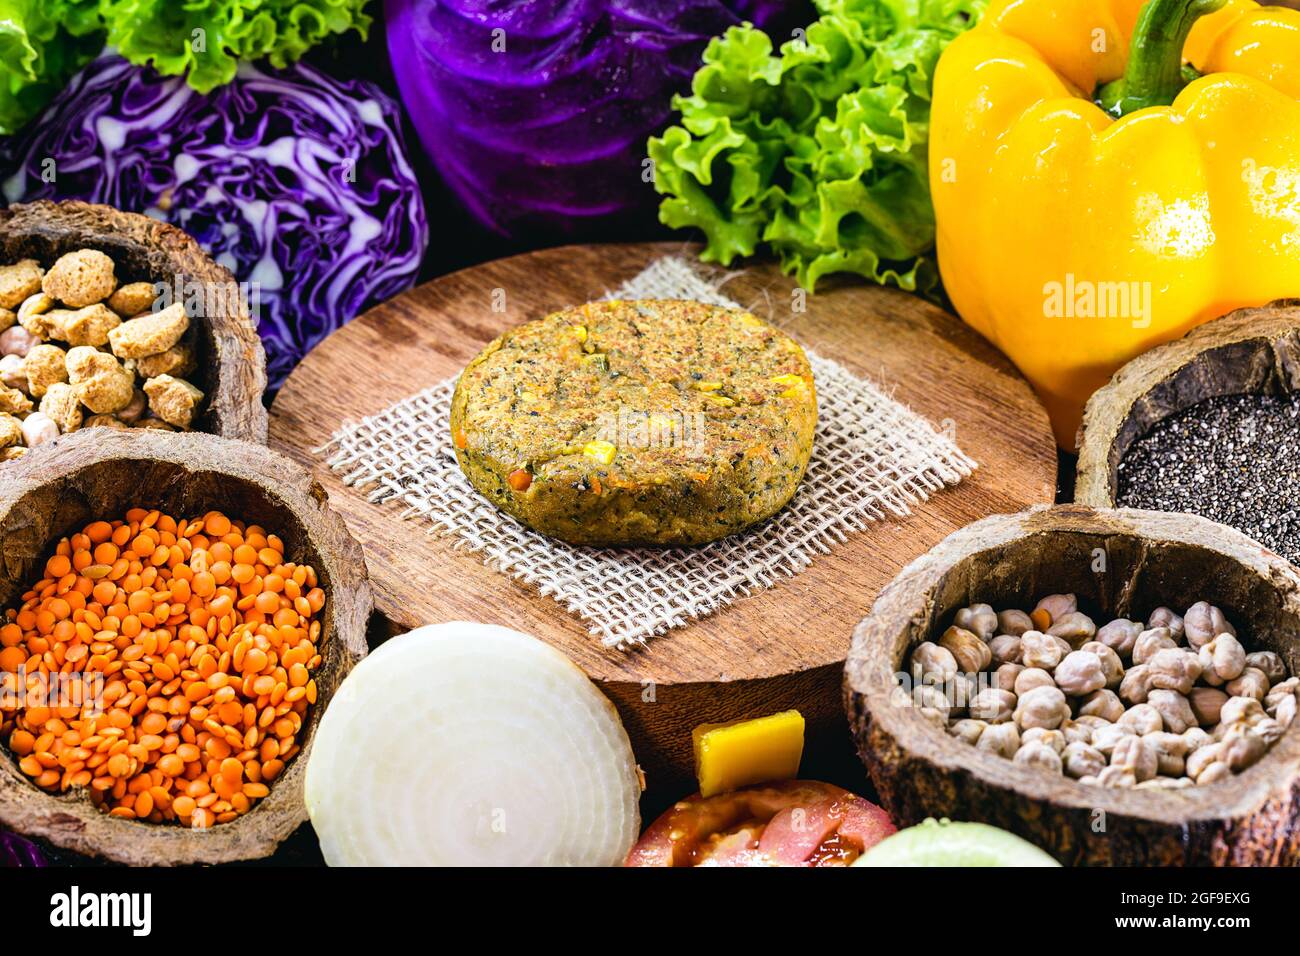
(206, 639)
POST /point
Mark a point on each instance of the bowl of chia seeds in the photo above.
(1208, 425)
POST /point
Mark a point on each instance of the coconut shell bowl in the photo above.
(1119, 563)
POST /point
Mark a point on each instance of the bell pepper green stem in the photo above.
(1155, 74)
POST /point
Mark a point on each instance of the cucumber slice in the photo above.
(945, 843)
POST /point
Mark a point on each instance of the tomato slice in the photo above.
(793, 823)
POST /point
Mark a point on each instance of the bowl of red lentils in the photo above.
(175, 612)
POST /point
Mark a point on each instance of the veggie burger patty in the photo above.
(645, 422)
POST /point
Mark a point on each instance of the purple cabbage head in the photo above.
(297, 182)
(536, 112)
(15, 851)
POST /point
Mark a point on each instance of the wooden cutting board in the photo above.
(783, 647)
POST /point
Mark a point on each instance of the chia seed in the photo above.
(1234, 459)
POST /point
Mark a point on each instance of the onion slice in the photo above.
(468, 744)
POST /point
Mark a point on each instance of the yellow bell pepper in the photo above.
(1108, 174)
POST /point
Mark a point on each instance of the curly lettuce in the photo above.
(818, 150)
(44, 42)
(205, 39)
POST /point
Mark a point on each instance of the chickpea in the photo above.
(1075, 732)
(38, 428)
(11, 372)
(1075, 628)
(1137, 754)
(1113, 776)
(972, 654)
(1214, 773)
(932, 662)
(1142, 719)
(1120, 636)
(967, 730)
(1279, 692)
(1080, 674)
(1006, 649)
(1175, 712)
(1041, 707)
(1170, 750)
(932, 702)
(1203, 622)
(1148, 642)
(1243, 750)
(979, 619)
(1048, 738)
(1040, 756)
(1269, 730)
(1104, 704)
(1001, 739)
(1206, 703)
(1201, 758)
(1168, 704)
(1014, 623)
(1040, 650)
(18, 341)
(993, 706)
(1082, 760)
(1111, 665)
(1004, 678)
(1285, 711)
(1057, 606)
(1245, 710)
(1222, 659)
(1105, 738)
(1031, 677)
(1135, 686)
(1092, 722)
(1174, 669)
(1268, 662)
(1166, 617)
(1251, 683)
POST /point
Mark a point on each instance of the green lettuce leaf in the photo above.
(41, 47)
(205, 39)
(818, 150)
(44, 42)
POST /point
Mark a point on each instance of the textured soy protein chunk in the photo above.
(13, 401)
(149, 334)
(11, 430)
(101, 383)
(177, 360)
(62, 406)
(174, 400)
(45, 366)
(132, 299)
(88, 326)
(81, 278)
(18, 282)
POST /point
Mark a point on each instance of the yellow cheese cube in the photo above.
(744, 752)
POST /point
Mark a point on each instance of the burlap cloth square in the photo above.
(874, 459)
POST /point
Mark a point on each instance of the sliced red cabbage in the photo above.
(293, 180)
